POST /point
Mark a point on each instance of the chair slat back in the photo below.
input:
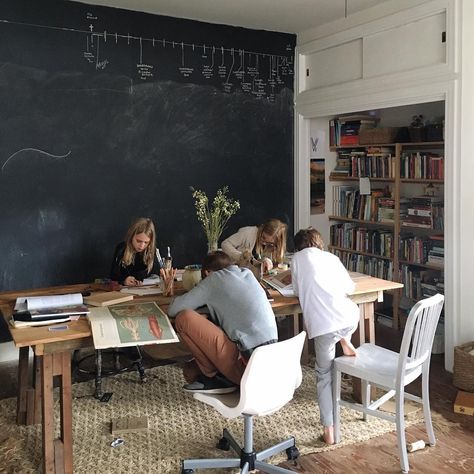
(419, 333)
(271, 376)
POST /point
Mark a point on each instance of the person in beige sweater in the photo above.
(266, 240)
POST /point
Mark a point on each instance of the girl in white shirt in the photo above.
(323, 284)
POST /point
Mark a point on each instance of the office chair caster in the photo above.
(292, 453)
(223, 444)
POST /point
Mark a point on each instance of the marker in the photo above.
(58, 328)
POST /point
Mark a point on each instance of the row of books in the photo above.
(363, 264)
(422, 166)
(362, 239)
(422, 250)
(377, 206)
(419, 284)
(345, 130)
(373, 163)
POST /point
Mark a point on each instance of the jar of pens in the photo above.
(167, 274)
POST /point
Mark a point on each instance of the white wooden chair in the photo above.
(270, 379)
(392, 371)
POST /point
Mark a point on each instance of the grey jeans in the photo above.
(325, 350)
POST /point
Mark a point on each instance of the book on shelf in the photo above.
(107, 298)
(130, 325)
(281, 282)
(344, 130)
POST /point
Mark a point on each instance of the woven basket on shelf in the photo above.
(463, 377)
(377, 136)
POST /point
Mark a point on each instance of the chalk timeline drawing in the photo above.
(238, 68)
(41, 153)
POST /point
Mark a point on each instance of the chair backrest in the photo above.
(272, 375)
(419, 333)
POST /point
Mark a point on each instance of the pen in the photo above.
(159, 257)
(58, 328)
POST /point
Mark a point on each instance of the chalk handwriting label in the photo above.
(261, 74)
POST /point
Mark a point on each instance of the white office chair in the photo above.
(392, 371)
(269, 381)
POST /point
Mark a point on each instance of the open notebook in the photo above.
(281, 282)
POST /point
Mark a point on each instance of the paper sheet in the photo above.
(28, 303)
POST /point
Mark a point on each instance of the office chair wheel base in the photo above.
(292, 453)
(223, 444)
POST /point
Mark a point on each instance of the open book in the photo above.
(281, 282)
(130, 325)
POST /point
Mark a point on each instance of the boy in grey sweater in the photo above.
(240, 319)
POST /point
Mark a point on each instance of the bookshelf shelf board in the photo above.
(421, 181)
(388, 145)
(414, 228)
(358, 221)
(367, 254)
(356, 178)
(422, 144)
(428, 266)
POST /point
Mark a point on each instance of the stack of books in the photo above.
(425, 212)
(385, 209)
(44, 310)
(344, 130)
(436, 253)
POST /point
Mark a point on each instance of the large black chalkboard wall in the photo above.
(107, 115)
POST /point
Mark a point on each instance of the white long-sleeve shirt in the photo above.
(322, 284)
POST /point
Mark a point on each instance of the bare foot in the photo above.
(328, 435)
(348, 348)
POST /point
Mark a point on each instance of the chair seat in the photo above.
(226, 404)
(375, 363)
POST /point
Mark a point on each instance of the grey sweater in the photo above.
(237, 303)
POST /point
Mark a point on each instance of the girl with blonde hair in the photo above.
(135, 259)
(266, 240)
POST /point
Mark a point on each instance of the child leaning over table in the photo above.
(323, 284)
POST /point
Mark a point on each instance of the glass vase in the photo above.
(212, 246)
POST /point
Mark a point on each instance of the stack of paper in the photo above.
(41, 310)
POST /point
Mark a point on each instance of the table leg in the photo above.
(98, 374)
(57, 454)
(367, 316)
(24, 386)
(37, 392)
(297, 328)
(66, 411)
(46, 362)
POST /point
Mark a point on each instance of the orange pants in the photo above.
(213, 351)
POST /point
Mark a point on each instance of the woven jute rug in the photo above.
(178, 426)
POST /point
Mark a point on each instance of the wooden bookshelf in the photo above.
(431, 171)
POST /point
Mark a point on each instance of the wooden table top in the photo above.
(80, 329)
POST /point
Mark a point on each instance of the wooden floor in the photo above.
(453, 453)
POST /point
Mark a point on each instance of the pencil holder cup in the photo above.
(191, 276)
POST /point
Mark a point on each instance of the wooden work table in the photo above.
(53, 351)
